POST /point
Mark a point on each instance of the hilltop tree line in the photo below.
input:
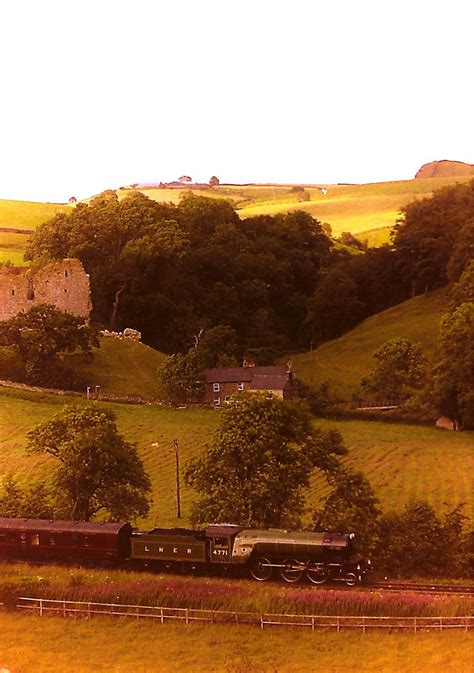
(277, 282)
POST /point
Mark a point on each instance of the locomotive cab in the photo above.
(220, 540)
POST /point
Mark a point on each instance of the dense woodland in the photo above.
(279, 282)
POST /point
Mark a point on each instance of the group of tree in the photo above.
(253, 473)
(442, 384)
(278, 281)
(261, 460)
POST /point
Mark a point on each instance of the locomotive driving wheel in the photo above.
(261, 569)
(350, 579)
(317, 574)
(292, 570)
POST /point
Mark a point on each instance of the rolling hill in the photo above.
(346, 360)
(368, 211)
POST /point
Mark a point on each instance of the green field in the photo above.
(22, 215)
(53, 645)
(346, 360)
(354, 208)
(401, 461)
(12, 247)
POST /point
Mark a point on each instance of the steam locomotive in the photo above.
(261, 553)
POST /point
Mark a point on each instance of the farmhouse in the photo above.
(222, 382)
(63, 284)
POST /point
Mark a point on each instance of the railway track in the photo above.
(417, 587)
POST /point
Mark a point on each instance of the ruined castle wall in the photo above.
(64, 284)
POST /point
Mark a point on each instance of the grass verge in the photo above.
(43, 644)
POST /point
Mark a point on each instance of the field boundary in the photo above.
(92, 395)
(87, 610)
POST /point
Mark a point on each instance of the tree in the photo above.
(213, 181)
(463, 290)
(429, 233)
(262, 457)
(453, 371)
(99, 470)
(40, 334)
(351, 506)
(399, 372)
(334, 306)
(416, 542)
(32, 503)
(181, 377)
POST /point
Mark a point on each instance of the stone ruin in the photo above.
(128, 333)
(63, 284)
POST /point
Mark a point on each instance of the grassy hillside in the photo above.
(12, 246)
(17, 216)
(28, 214)
(354, 208)
(346, 360)
(401, 461)
(121, 367)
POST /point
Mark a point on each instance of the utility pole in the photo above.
(178, 499)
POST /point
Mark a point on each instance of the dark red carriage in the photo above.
(76, 541)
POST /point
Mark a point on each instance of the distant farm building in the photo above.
(221, 383)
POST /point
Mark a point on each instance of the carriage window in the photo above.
(3, 537)
(87, 542)
(34, 539)
(52, 540)
(23, 538)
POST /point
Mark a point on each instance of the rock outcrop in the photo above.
(445, 169)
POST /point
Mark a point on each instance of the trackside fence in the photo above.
(86, 610)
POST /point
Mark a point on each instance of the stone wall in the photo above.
(64, 284)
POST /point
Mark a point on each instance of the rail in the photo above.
(87, 610)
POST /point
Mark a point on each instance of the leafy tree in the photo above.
(213, 181)
(181, 377)
(262, 457)
(416, 542)
(462, 253)
(11, 500)
(463, 290)
(453, 371)
(352, 507)
(428, 234)
(334, 306)
(218, 347)
(346, 238)
(399, 372)
(39, 334)
(99, 470)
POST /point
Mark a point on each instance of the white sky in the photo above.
(97, 94)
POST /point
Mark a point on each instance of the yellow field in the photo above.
(54, 645)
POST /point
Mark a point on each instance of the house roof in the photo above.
(261, 377)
